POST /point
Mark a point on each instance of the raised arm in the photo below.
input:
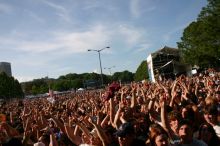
(117, 115)
(105, 121)
(133, 97)
(112, 111)
(101, 134)
(53, 141)
(58, 124)
(70, 134)
(164, 118)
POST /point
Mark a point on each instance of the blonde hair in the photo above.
(210, 100)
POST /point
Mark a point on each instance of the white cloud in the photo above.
(143, 47)
(60, 10)
(167, 36)
(91, 5)
(62, 70)
(95, 37)
(24, 78)
(38, 47)
(4, 8)
(134, 8)
(35, 16)
(152, 8)
(137, 8)
(56, 45)
(130, 35)
(30, 62)
(69, 42)
(41, 53)
(95, 71)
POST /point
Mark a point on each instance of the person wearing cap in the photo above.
(126, 136)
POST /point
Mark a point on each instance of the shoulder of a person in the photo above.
(199, 142)
(138, 142)
(217, 126)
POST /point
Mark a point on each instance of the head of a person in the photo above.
(211, 114)
(125, 133)
(185, 131)
(217, 95)
(208, 134)
(140, 100)
(158, 136)
(109, 131)
(187, 112)
(210, 100)
(174, 118)
(127, 112)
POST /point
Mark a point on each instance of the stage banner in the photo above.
(150, 68)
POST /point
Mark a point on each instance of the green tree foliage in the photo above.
(200, 43)
(34, 90)
(63, 85)
(71, 81)
(9, 87)
(107, 79)
(142, 72)
(37, 86)
(40, 86)
(124, 76)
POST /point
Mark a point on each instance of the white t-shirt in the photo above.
(217, 130)
(39, 144)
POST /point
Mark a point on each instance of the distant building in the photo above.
(6, 67)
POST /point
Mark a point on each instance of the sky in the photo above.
(51, 37)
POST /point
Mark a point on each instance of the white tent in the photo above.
(80, 89)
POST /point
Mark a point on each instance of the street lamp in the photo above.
(109, 69)
(100, 63)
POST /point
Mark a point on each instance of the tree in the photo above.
(142, 72)
(200, 43)
(18, 92)
(124, 76)
(34, 90)
(77, 83)
(9, 87)
(72, 81)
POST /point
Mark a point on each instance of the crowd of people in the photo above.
(180, 112)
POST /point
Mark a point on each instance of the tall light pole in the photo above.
(100, 63)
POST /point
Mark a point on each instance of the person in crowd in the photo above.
(186, 135)
(126, 136)
(208, 135)
(139, 113)
(158, 136)
(211, 117)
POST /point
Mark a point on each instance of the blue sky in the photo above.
(51, 37)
